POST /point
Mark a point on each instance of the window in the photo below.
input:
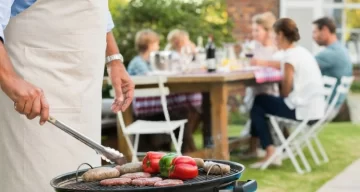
(346, 14)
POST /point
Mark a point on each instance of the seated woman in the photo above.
(301, 93)
(147, 41)
(178, 41)
(265, 49)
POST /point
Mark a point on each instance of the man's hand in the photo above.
(28, 99)
(123, 86)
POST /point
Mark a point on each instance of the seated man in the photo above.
(334, 60)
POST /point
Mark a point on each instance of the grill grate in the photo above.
(67, 182)
(72, 185)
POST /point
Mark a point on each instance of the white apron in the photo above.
(59, 46)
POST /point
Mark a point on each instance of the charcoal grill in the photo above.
(202, 183)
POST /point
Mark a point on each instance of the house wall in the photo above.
(241, 12)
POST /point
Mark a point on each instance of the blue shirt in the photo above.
(138, 66)
(334, 61)
(10, 8)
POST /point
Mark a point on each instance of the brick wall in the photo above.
(241, 12)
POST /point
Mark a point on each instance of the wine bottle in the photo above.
(210, 55)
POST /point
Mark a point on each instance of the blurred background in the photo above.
(230, 21)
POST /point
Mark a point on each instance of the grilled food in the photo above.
(145, 181)
(130, 168)
(101, 173)
(136, 175)
(168, 182)
(115, 182)
(215, 169)
(199, 162)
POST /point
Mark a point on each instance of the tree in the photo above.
(199, 18)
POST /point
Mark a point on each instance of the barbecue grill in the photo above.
(203, 183)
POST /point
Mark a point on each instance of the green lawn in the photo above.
(340, 141)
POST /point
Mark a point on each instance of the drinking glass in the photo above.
(187, 57)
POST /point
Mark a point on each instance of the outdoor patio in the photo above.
(229, 25)
(180, 95)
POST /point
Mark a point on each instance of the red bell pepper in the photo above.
(151, 162)
(184, 168)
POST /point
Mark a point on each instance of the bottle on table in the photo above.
(210, 55)
(200, 52)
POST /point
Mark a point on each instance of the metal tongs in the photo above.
(107, 154)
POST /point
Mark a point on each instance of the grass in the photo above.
(355, 87)
(340, 141)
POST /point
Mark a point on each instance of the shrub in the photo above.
(198, 18)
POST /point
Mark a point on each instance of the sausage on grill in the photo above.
(145, 181)
(215, 170)
(130, 168)
(100, 173)
(136, 175)
(115, 182)
(168, 182)
(199, 162)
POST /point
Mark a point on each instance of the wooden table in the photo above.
(218, 85)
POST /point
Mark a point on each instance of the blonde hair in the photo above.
(176, 33)
(174, 36)
(144, 38)
(266, 20)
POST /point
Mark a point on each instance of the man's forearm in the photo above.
(112, 49)
(120, 79)
(6, 68)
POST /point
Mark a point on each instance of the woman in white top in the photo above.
(302, 86)
(265, 49)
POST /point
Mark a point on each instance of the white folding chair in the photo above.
(346, 81)
(330, 84)
(331, 111)
(152, 127)
(329, 88)
(292, 144)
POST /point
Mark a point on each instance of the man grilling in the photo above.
(52, 56)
